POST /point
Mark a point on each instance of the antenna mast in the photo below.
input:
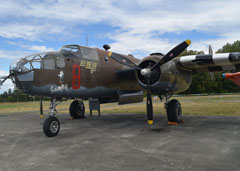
(86, 40)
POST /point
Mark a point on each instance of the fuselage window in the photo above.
(48, 63)
(60, 62)
(89, 53)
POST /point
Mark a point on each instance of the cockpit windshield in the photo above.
(46, 60)
(28, 63)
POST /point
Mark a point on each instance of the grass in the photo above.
(228, 105)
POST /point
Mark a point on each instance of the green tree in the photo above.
(230, 47)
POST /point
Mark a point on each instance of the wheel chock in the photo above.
(175, 123)
(71, 118)
(172, 123)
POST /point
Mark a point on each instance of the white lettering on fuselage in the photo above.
(55, 89)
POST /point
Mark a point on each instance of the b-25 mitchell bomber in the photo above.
(81, 73)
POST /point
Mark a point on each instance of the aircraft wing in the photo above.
(234, 77)
(211, 63)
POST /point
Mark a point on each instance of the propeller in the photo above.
(3, 79)
(149, 103)
(147, 72)
(123, 60)
(172, 53)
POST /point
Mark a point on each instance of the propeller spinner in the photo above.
(147, 72)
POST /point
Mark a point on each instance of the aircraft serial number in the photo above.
(92, 66)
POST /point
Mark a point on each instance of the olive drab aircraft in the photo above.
(101, 76)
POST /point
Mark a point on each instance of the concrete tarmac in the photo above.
(120, 142)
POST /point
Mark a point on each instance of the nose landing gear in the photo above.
(51, 125)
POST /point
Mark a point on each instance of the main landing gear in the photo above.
(174, 110)
(77, 109)
(51, 125)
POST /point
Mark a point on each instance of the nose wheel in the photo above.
(51, 126)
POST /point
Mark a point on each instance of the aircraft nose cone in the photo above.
(20, 66)
(21, 75)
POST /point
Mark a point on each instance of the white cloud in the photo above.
(3, 73)
(7, 84)
(138, 21)
(34, 48)
(40, 48)
(29, 31)
(11, 55)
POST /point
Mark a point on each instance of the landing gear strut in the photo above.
(51, 125)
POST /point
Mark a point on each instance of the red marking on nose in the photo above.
(76, 77)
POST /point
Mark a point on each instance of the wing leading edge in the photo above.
(211, 62)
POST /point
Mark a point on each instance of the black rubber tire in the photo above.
(77, 109)
(51, 126)
(174, 111)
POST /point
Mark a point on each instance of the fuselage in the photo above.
(83, 72)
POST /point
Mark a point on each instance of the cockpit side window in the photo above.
(36, 65)
(89, 53)
(60, 62)
(48, 62)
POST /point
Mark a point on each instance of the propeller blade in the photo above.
(123, 60)
(41, 107)
(172, 53)
(149, 103)
(3, 79)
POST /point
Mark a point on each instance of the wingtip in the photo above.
(188, 42)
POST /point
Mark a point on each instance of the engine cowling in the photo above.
(169, 78)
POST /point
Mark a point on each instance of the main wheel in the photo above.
(77, 109)
(174, 111)
(51, 126)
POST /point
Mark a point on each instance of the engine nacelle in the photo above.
(169, 78)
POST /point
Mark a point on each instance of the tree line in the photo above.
(17, 96)
(201, 83)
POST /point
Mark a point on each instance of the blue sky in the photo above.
(138, 27)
